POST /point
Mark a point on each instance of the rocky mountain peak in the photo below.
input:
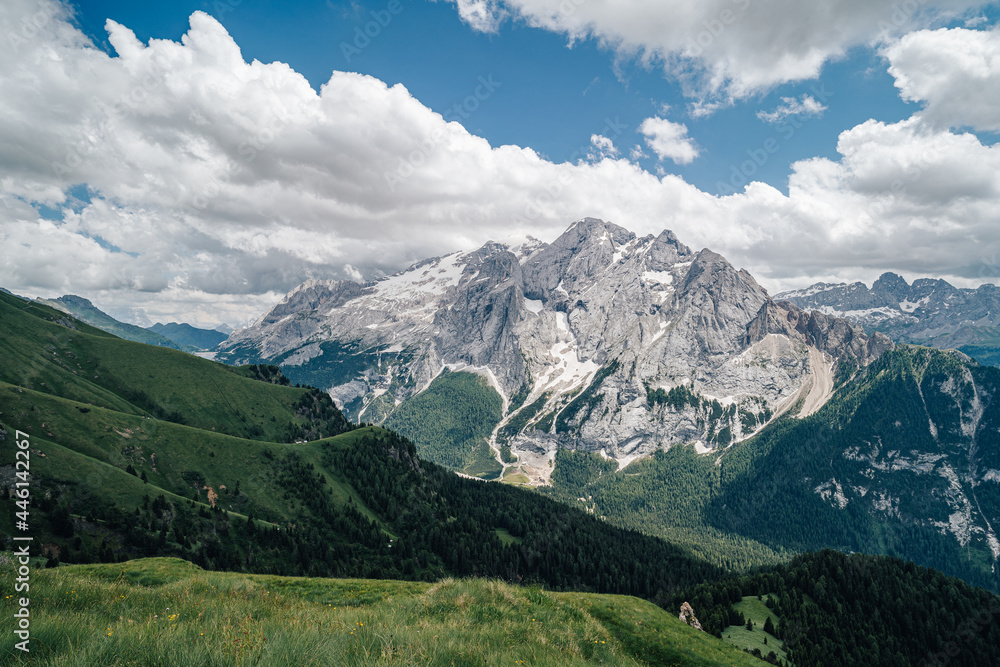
(574, 259)
(718, 302)
(592, 230)
(313, 295)
(666, 250)
(892, 286)
(583, 339)
(74, 300)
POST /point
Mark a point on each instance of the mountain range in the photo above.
(142, 451)
(139, 451)
(558, 365)
(926, 312)
(600, 341)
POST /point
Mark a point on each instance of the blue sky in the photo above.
(201, 159)
(552, 96)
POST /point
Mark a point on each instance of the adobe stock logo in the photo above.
(31, 25)
(363, 36)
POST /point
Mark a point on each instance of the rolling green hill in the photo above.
(165, 611)
(49, 353)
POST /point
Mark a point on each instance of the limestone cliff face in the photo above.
(835, 336)
(478, 328)
(623, 345)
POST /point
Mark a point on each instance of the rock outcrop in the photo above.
(833, 335)
(687, 616)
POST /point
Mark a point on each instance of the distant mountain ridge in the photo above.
(600, 341)
(179, 336)
(186, 335)
(928, 312)
(84, 310)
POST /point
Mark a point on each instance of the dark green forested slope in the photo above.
(836, 609)
(451, 422)
(909, 441)
(903, 460)
(666, 495)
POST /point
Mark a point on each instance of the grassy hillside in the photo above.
(181, 457)
(169, 612)
(450, 423)
(50, 353)
(756, 638)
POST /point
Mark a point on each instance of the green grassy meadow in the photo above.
(166, 611)
(740, 637)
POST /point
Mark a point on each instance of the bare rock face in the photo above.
(833, 335)
(615, 344)
(687, 616)
(572, 262)
(480, 324)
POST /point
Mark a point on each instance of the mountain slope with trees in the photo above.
(838, 609)
(142, 451)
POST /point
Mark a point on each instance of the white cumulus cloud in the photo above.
(791, 106)
(669, 140)
(729, 48)
(602, 147)
(214, 185)
(955, 73)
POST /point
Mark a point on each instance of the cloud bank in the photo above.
(722, 48)
(213, 185)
